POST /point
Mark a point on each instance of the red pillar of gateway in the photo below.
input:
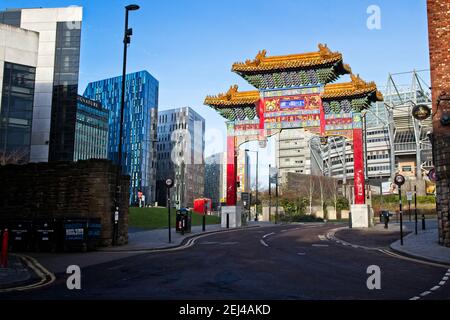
(358, 166)
(231, 171)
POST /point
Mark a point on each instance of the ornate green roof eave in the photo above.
(295, 78)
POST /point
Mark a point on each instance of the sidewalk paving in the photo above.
(17, 273)
(423, 245)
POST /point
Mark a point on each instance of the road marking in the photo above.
(284, 230)
(319, 245)
(229, 243)
(322, 237)
(269, 234)
(435, 288)
(395, 255)
(445, 278)
(415, 298)
(301, 253)
(423, 294)
(442, 283)
(46, 277)
(263, 243)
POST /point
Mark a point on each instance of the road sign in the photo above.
(432, 174)
(386, 187)
(409, 195)
(169, 183)
(399, 180)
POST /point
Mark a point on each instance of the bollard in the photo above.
(228, 220)
(4, 253)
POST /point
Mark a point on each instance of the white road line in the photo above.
(445, 278)
(284, 230)
(263, 243)
(415, 298)
(269, 234)
(435, 288)
(319, 245)
(301, 253)
(423, 294)
(442, 283)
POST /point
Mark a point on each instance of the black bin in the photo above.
(94, 233)
(20, 235)
(75, 234)
(183, 221)
(45, 235)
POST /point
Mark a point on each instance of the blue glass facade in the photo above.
(139, 130)
(91, 130)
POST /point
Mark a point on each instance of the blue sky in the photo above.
(190, 45)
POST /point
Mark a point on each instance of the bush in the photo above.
(342, 204)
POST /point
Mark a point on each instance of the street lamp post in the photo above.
(257, 166)
(127, 39)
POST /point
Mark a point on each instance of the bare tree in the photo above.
(16, 156)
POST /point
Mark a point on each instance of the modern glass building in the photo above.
(16, 112)
(91, 130)
(58, 32)
(181, 146)
(139, 130)
(17, 90)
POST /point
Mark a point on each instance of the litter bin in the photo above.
(94, 230)
(45, 235)
(74, 234)
(20, 235)
(183, 221)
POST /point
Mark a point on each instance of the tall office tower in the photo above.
(215, 178)
(56, 77)
(181, 146)
(139, 127)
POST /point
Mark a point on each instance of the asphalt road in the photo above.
(278, 262)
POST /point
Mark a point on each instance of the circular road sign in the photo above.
(169, 183)
(399, 180)
(432, 174)
(421, 112)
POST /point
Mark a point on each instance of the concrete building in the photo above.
(91, 130)
(297, 151)
(139, 129)
(56, 76)
(180, 154)
(18, 61)
(244, 172)
(215, 178)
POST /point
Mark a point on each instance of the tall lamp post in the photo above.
(257, 166)
(126, 41)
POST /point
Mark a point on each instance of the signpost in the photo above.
(169, 184)
(399, 180)
(409, 198)
(415, 208)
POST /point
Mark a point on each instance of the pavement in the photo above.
(17, 273)
(285, 262)
(424, 245)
